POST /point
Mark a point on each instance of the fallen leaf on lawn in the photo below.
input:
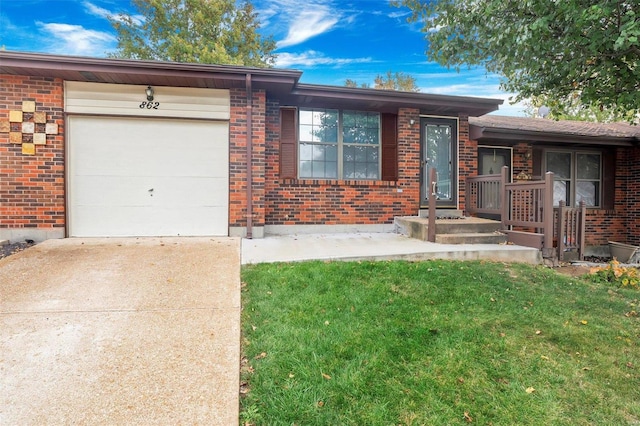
(493, 300)
(538, 332)
(261, 355)
(254, 328)
(291, 375)
(530, 390)
(544, 357)
(320, 404)
(584, 322)
(630, 365)
(460, 380)
(467, 417)
(326, 376)
(586, 368)
(326, 323)
(503, 334)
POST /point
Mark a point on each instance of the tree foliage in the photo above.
(352, 83)
(204, 31)
(391, 81)
(585, 50)
(570, 108)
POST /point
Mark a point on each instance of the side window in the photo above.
(577, 175)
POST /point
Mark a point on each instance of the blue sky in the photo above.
(329, 41)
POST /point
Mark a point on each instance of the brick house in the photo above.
(104, 147)
(595, 163)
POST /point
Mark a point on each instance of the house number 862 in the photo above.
(149, 105)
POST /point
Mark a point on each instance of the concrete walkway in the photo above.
(374, 246)
(130, 331)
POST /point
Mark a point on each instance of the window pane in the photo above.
(372, 155)
(349, 170)
(306, 117)
(331, 169)
(588, 192)
(588, 166)
(306, 152)
(349, 154)
(318, 152)
(305, 168)
(561, 192)
(560, 164)
(330, 134)
(331, 153)
(360, 162)
(306, 132)
(360, 127)
(318, 161)
(372, 171)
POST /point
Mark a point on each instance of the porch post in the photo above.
(504, 194)
(547, 215)
(581, 226)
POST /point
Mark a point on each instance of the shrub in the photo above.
(613, 273)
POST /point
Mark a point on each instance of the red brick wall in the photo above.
(631, 167)
(336, 202)
(467, 158)
(32, 187)
(238, 158)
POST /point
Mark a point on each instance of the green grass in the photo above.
(436, 343)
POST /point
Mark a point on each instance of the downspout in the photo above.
(249, 158)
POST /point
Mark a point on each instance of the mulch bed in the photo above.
(13, 248)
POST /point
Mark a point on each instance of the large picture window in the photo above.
(335, 144)
(577, 175)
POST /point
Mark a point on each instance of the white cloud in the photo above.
(96, 10)
(101, 12)
(399, 14)
(76, 40)
(311, 58)
(307, 24)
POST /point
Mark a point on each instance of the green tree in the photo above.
(570, 108)
(204, 31)
(396, 81)
(571, 49)
(391, 81)
(352, 83)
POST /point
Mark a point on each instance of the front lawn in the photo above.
(436, 343)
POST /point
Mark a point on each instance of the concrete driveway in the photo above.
(121, 331)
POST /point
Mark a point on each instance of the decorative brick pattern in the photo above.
(28, 127)
(31, 187)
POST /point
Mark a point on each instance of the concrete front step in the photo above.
(467, 230)
(472, 238)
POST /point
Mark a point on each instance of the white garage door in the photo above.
(147, 177)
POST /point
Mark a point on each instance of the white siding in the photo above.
(126, 100)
